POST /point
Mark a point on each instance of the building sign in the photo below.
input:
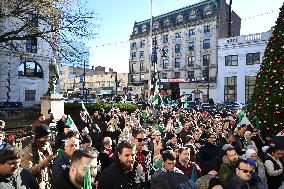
(198, 79)
(181, 80)
(189, 97)
(177, 80)
(232, 40)
(253, 37)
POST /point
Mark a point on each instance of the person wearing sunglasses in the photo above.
(37, 157)
(143, 156)
(242, 176)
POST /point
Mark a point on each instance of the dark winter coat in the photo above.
(237, 183)
(63, 181)
(115, 177)
(206, 155)
(58, 166)
(22, 179)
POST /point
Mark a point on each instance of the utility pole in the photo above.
(116, 84)
(84, 80)
(208, 82)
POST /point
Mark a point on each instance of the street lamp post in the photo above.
(115, 80)
(151, 46)
(208, 82)
(84, 80)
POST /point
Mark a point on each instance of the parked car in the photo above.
(11, 105)
(92, 101)
(143, 104)
(206, 106)
(233, 105)
(130, 101)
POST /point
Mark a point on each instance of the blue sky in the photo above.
(110, 48)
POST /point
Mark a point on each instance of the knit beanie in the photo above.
(251, 162)
(41, 131)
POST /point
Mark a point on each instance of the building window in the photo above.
(164, 75)
(33, 18)
(166, 23)
(250, 84)
(133, 68)
(30, 69)
(142, 68)
(205, 73)
(156, 25)
(135, 30)
(191, 32)
(177, 74)
(191, 60)
(133, 46)
(165, 38)
(31, 45)
(177, 48)
(141, 55)
(206, 60)
(30, 95)
(206, 44)
(179, 19)
(133, 78)
(190, 74)
(165, 64)
(144, 28)
(207, 11)
(177, 62)
(142, 44)
(253, 58)
(178, 36)
(190, 46)
(192, 14)
(165, 51)
(231, 60)
(133, 55)
(141, 77)
(206, 29)
(230, 89)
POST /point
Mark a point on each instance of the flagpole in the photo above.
(151, 46)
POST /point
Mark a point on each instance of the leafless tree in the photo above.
(52, 21)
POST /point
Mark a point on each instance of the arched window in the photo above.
(30, 69)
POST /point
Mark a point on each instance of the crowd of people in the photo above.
(159, 147)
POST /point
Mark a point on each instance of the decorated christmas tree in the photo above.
(267, 101)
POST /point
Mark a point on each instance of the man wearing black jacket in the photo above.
(73, 177)
(124, 172)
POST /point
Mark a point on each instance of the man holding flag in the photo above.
(82, 171)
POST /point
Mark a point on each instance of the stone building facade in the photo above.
(102, 84)
(239, 60)
(24, 77)
(186, 48)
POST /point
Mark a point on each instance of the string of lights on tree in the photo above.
(267, 101)
(243, 20)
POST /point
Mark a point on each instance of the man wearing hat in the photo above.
(37, 156)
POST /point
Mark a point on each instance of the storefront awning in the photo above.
(105, 92)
